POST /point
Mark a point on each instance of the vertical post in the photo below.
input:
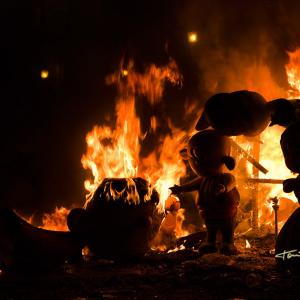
(254, 194)
(275, 207)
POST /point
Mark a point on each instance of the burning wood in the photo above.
(249, 157)
(265, 180)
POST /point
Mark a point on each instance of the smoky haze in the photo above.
(241, 44)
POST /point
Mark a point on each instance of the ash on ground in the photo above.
(181, 274)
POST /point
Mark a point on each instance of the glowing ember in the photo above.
(115, 152)
(181, 247)
(44, 74)
(85, 251)
(248, 245)
(192, 37)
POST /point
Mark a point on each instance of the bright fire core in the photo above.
(116, 150)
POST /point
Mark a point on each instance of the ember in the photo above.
(247, 244)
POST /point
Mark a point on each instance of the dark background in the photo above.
(44, 122)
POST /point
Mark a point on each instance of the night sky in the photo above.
(44, 122)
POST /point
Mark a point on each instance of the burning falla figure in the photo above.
(207, 153)
(288, 242)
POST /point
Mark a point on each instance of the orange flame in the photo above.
(271, 155)
(115, 152)
(293, 74)
(56, 220)
(248, 245)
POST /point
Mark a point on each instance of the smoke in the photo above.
(242, 44)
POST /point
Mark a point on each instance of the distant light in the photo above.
(44, 74)
(124, 73)
(192, 37)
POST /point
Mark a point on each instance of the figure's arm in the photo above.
(188, 187)
(292, 185)
(225, 183)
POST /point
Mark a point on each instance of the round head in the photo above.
(237, 113)
(290, 145)
(208, 151)
(282, 112)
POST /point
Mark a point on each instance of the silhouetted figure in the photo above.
(288, 239)
(240, 112)
(282, 112)
(120, 220)
(23, 245)
(208, 152)
(244, 113)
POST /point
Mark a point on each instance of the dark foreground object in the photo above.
(179, 275)
(120, 220)
(288, 244)
(23, 245)
(236, 113)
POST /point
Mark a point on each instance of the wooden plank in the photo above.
(250, 158)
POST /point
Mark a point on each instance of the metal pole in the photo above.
(254, 196)
(275, 207)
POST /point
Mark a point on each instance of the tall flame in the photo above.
(56, 220)
(293, 74)
(115, 152)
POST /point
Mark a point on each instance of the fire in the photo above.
(248, 245)
(293, 74)
(192, 37)
(116, 151)
(113, 152)
(271, 155)
(272, 158)
(56, 220)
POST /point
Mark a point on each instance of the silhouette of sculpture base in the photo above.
(120, 220)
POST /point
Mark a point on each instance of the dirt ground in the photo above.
(251, 274)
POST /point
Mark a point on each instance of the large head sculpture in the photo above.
(207, 152)
(120, 220)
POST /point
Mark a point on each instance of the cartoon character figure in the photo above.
(244, 113)
(207, 153)
(166, 236)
